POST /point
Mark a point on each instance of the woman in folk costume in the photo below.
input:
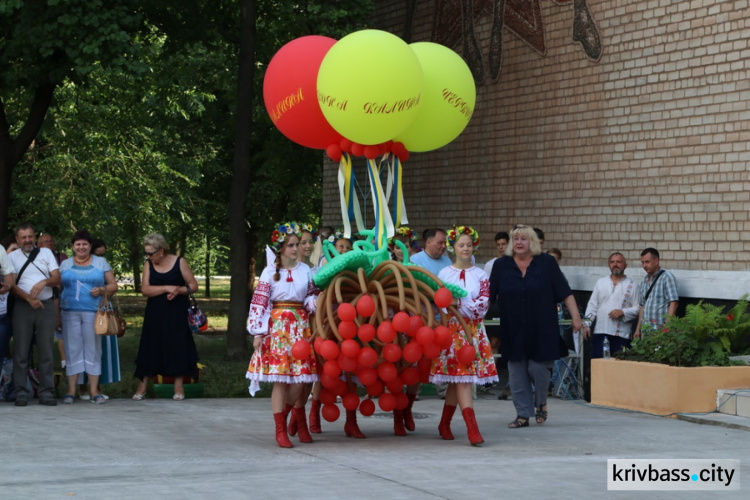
(447, 368)
(278, 318)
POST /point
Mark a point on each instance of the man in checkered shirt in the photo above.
(659, 297)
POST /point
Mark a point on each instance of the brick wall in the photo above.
(649, 146)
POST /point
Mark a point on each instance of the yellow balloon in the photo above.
(448, 99)
(370, 86)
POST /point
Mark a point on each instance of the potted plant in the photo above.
(679, 367)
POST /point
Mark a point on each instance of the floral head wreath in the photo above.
(304, 226)
(282, 232)
(336, 236)
(456, 231)
(404, 231)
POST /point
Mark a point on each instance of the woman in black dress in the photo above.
(167, 347)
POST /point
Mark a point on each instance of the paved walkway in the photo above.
(224, 449)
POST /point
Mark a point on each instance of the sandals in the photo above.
(541, 414)
(518, 423)
(139, 397)
(98, 399)
(178, 397)
(68, 399)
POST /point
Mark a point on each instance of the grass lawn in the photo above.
(221, 377)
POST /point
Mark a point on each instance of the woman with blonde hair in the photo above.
(167, 347)
(527, 286)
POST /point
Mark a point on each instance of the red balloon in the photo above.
(443, 337)
(345, 145)
(347, 364)
(317, 344)
(403, 156)
(415, 323)
(327, 397)
(391, 352)
(400, 321)
(431, 350)
(366, 333)
(331, 413)
(367, 356)
(371, 152)
(329, 349)
(290, 89)
(402, 401)
(466, 354)
(334, 152)
(410, 376)
(366, 306)
(358, 149)
(350, 400)
(387, 371)
(350, 348)
(443, 297)
(367, 407)
(341, 387)
(387, 402)
(367, 375)
(425, 335)
(346, 312)
(398, 148)
(332, 368)
(327, 381)
(301, 349)
(395, 385)
(386, 333)
(412, 352)
(348, 329)
(375, 389)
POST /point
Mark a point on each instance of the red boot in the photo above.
(444, 428)
(315, 417)
(408, 418)
(281, 438)
(292, 427)
(298, 415)
(471, 427)
(350, 427)
(398, 423)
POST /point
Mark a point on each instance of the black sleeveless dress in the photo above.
(167, 347)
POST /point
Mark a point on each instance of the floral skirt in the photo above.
(274, 362)
(447, 369)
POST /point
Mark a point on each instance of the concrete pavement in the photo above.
(225, 449)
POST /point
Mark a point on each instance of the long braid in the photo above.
(277, 276)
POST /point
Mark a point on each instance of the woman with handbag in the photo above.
(167, 347)
(85, 280)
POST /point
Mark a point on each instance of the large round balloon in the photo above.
(447, 101)
(289, 92)
(370, 86)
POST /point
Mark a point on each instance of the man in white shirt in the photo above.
(614, 304)
(33, 314)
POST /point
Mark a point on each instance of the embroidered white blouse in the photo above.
(476, 282)
(294, 285)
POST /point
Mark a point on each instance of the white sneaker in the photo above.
(106, 398)
(85, 397)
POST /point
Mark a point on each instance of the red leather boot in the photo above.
(315, 417)
(298, 415)
(281, 438)
(444, 428)
(292, 426)
(350, 427)
(398, 423)
(408, 418)
(475, 438)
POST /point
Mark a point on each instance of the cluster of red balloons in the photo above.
(334, 151)
(383, 374)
